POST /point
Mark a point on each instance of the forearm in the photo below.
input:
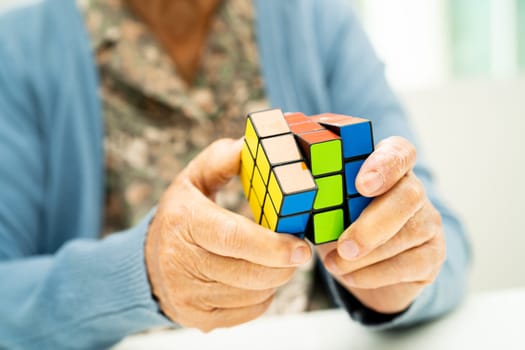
(90, 294)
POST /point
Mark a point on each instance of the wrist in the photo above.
(151, 261)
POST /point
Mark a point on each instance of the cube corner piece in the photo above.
(356, 133)
(269, 122)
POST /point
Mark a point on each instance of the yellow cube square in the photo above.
(270, 214)
(250, 136)
(255, 206)
(263, 164)
(258, 185)
(245, 177)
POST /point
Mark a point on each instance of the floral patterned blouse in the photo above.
(155, 122)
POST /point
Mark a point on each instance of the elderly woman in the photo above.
(167, 78)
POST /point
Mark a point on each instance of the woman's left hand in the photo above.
(397, 246)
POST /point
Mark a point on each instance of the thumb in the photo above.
(215, 166)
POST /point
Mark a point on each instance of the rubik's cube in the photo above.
(298, 172)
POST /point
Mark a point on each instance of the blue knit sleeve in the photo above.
(60, 287)
(357, 86)
(88, 295)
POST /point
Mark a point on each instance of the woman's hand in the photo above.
(397, 246)
(209, 267)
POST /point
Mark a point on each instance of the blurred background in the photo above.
(459, 67)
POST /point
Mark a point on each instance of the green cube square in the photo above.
(328, 226)
(330, 192)
(326, 157)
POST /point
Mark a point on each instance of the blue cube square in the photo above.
(357, 139)
(294, 224)
(297, 203)
(351, 171)
(356, 205)
(356, 133)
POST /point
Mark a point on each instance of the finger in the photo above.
(227, 297)
(420, 264)
(382, 219)
(215, 165)
(324, 249)
(242, 274)
(419, 229)
(391, 160)
(228, 234)
(207, 320)
(391, 299)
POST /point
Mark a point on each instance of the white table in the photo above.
(494, 321)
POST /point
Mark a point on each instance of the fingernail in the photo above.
(371, 181)
(348, 250)
(300, 255)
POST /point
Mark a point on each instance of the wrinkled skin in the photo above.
(397, 246)
(210, 267)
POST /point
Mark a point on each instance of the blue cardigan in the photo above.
(63, 288)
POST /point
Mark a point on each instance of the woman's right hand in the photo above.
(209, 267)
